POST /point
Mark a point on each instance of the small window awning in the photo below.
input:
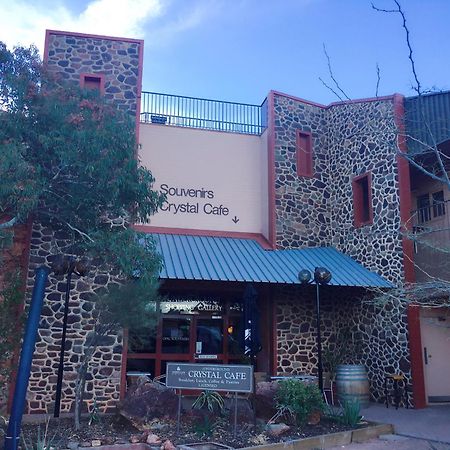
(187, 257)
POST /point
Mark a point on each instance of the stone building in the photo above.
(255, 193)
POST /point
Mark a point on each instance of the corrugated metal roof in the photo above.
(230, 259)
(427, 120)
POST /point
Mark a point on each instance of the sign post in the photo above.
(210, 377)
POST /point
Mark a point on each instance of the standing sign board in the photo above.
(214, 377)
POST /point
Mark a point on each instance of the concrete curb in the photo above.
(329, 440)
(322, 441)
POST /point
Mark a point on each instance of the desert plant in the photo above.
(42, 442)
(348, 414)
(301, 398)
(351, 412)
(94, 413)
(209, 399)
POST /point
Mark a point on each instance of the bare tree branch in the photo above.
(330, 71)
(378, 80)
(399, 10)
(331, 89)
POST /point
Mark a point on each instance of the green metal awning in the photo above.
(189, 257)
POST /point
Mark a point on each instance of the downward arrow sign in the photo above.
(235, 219)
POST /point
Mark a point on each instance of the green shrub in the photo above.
(300, 398)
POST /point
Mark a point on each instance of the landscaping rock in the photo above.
(245, 412)
(314, 418)
(168, 446)
(153, 439)
(135, 438)
(146, 401)
(264, 399)
(96, 442)
(277, 429)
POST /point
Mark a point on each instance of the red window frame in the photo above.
(304, 154)
(89, 81)
(362, 200)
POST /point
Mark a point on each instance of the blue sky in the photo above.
(238, 50)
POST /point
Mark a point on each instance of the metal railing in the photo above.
(433, 216)
(431, 238)
(167, 109)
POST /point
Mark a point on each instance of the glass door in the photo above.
(209, 341)
(176, 342)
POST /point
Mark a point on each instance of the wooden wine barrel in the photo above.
(352, 384)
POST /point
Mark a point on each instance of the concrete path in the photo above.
(416, 429)
(406, 444)
(431, 423)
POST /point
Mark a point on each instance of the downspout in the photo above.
(23, 373)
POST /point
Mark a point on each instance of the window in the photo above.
(423, 208)
(304, 154)
(92, 82)
(438, 204)
(362, 200)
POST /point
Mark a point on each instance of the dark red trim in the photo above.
(123, 365)
(188, 232)
(271, 168)
(415, 350)
(304, 150)
(363, 100)
(139, 92)
(46, 44)
(94, 36)
(344, 102)
(99, 76)
(404, 189)
(298, 99)
(358, 200)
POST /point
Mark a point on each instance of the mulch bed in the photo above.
(116, 429)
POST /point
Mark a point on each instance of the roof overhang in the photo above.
(210, 258)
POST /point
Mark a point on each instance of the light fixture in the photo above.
(322, 276)
(66, 265)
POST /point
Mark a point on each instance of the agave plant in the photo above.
(210, 400)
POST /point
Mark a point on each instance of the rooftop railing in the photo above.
(192, 112)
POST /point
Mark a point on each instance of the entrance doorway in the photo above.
(435, 332)
(187, 333)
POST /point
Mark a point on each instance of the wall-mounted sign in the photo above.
(212, 180)
(218, 377)
(186, 304)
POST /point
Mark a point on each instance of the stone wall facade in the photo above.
(119, 61)
(362, 139)
(103, 380)
(301, 203)
(349, 139)
(374, 336)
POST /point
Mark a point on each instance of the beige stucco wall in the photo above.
(215, 177)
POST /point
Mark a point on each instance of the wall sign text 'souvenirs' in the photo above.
(230, 378)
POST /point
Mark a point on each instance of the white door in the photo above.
(435, 331)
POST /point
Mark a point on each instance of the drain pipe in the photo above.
(23, 373)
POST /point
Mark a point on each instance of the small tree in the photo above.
(68, 160)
